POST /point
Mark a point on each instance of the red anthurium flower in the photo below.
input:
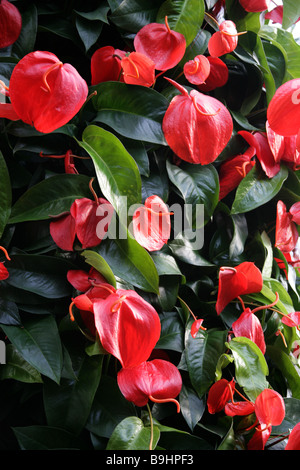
(44, 92)
(295, 212)
(4, 274)
(197, 127)
(232, 171)
(239, 408)
(197, 70)
(157, 380)
(10, 23)
(225, 40)
(276, 15)
(249, 326)
(82, 221)
(68, 161)
(151, 224)
(219, 394)
(292, 319)
(128, 326)
(294, 439)
(196, 326)
(243, 279)
(255, 5)
(162, 45)
(106, 64)
(286, 235)
(218, 75)
(283, 112)
(283, 148)
(82, 280)
(270, 411)
(138, 69)
(259, 141)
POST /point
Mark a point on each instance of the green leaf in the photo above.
(251, 368)
(184, 16)
(50, 197)
(268, 77)
(202, 354)
(191, 406)
(9, 313)
(291, 13)
(27, 38)
(61, 400)
(132, 15)
(5, 195)
(257, 189)
(283, 363)
(39, 344)
(17, 368)
(89, 31)
(131, 434)
(133, 111)
(46, 438)
(199, 185)
(99, 263)
(131, 262)
(39, 274)
(117, 173)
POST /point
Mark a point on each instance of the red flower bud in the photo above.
(106, 64)
(128, 326)
(223, 41)
(219, 394)
(197, 127)
(10, 23)
(157, 380)
(197, 70)
(138, 69)
(162, 45)
(151, 224)
(249, 326)
(44, 92)
(232, 171)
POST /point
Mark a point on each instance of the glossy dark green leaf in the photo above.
(131, 434)
(291, 13)
(199, 185)
(172, 333)
(116, 170)
(256, 189)
(131, 262)
(251, 367)
(202, 354)
(9, 313)
(133, 111)
(287, 368)
(184, 16)
(26, 41)
(99, 263)
(17, 368)
(132, 15)
(61, 400)
(39, 274)
(191, 406)
(5, 195)
(38, 342)
(50, 197)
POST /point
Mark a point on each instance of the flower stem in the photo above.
(151, 427)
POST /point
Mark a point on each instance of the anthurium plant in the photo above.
(149, 225)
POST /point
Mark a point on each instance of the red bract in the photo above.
(232, 171)
(223, 41)
(239, 408)
(82, 280)
(219, 394)
(196, 326)
(10, 23)
(44, 92)
(255, 5)
(283, 113)
(292, 319)
(128, 326)
(286, 235)
(106, 64)
(87, 219)
(162, 45)
(138, 69)
(276, 15)
(4, 274)
(68, 161)
(283, 148)
(157, 380)
(243, 279)
(294, 439)
(197, 127)
(259, 141)
(249, 326)
(197, 70)
(270, 411)
(217, 77)
(151, 224)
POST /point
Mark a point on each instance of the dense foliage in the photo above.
(68, 385)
